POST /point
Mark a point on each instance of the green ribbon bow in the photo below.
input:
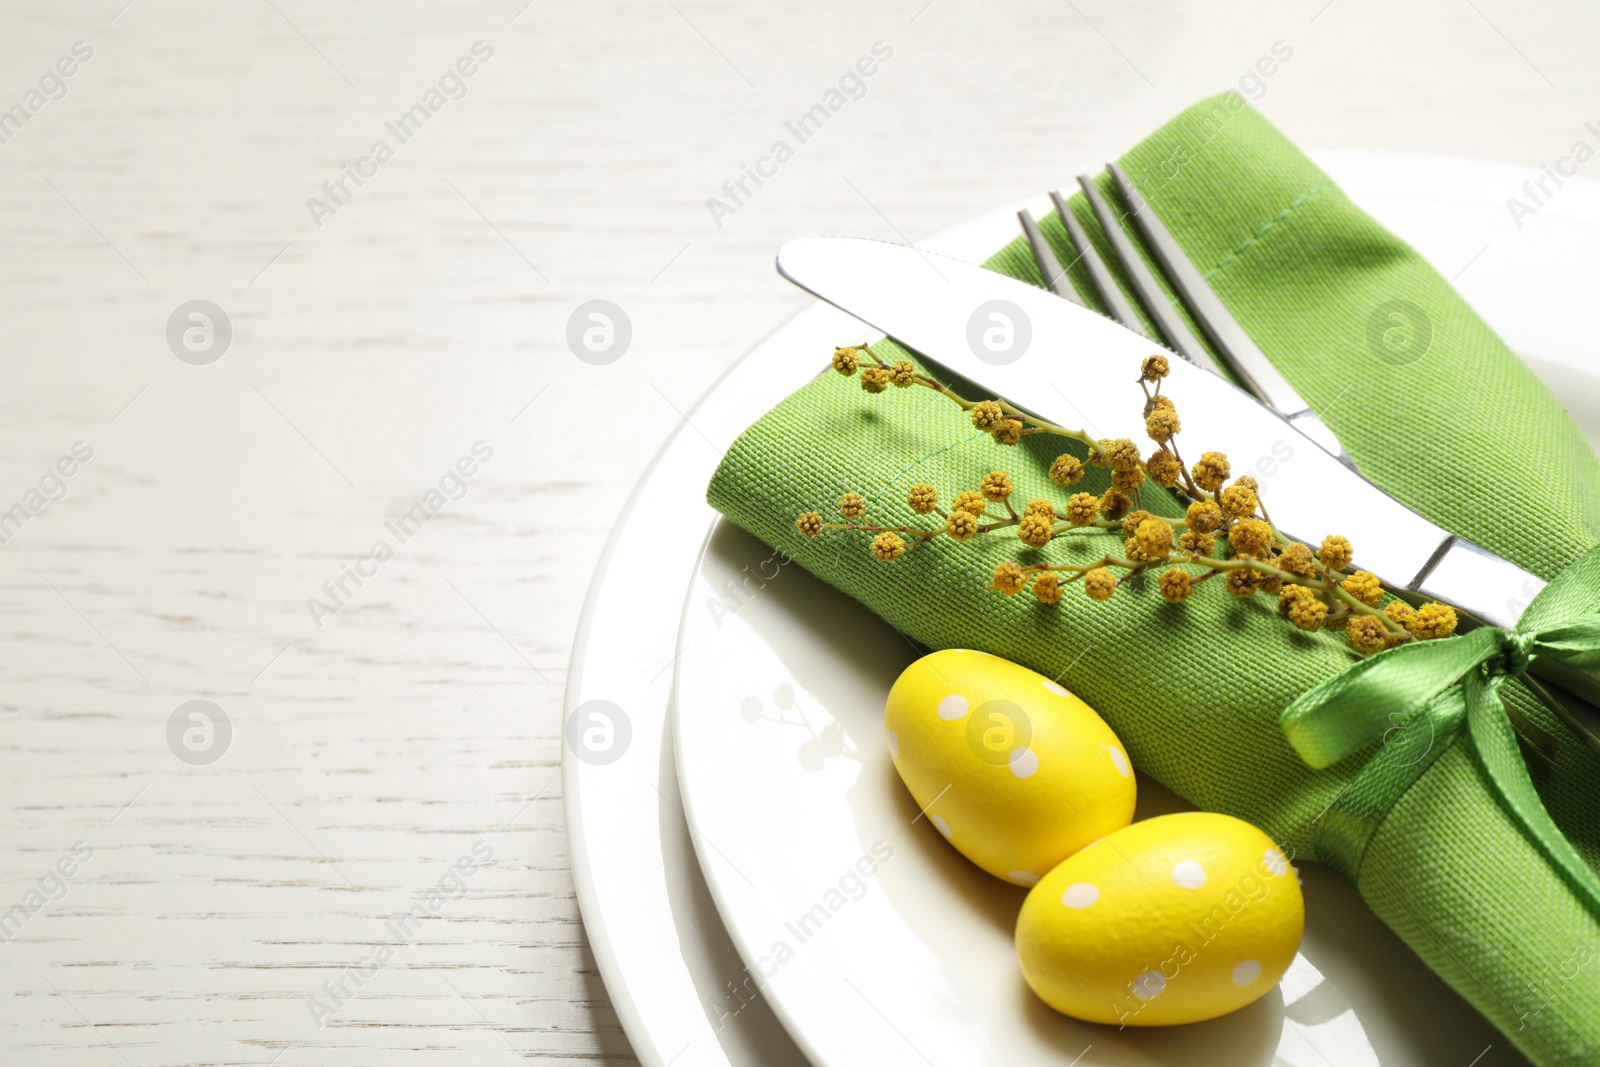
(1420, 695)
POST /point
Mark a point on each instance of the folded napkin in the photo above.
(1435, 409)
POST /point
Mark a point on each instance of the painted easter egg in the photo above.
(1173, 919)
(1013, 770)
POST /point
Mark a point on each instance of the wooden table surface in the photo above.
(361, 527)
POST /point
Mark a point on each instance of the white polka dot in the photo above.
(894, 744)
(1023, 877)
(1080, 895)
(1024, 762)
(1274, 861)
(1148, 986)
(952, 707)
(1246, 973)
(1118, 760)
(940, 825)
(1058, 690)
(1188, 875)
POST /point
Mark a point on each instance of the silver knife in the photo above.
(1074, 367)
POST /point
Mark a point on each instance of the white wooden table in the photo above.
(173, 895)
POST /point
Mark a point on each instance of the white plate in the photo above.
(657, 939)
(781, 759)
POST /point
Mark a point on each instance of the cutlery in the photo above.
(1055, 276)
(1243, 359)
(1077, 368)
(1180, 338)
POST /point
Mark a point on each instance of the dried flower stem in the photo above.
(1031, 424)
(1316, 588)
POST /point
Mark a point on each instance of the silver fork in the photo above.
(1242, 357)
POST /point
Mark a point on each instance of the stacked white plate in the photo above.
(725, 776)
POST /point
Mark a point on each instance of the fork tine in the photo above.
(1171, 325)
(1104, 283)
(1055, 276)
(1242, 355)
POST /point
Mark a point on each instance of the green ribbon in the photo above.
(1422, 696)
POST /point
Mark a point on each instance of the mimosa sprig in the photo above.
(1226, 535)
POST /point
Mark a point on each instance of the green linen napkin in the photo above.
(1435, 409)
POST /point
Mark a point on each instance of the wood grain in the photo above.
(417, 726)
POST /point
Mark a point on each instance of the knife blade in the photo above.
(1074, 367)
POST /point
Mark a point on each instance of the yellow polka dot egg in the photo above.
(1015, 771)
(1174, 919)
